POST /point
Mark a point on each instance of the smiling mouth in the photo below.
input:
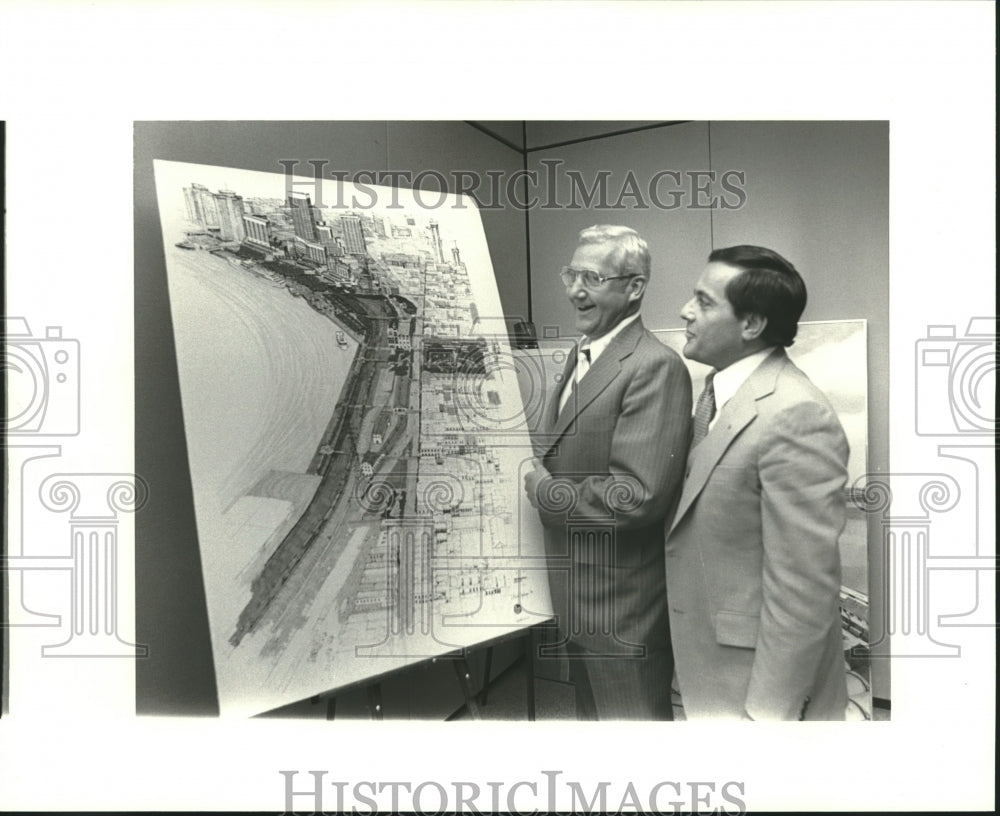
(585, 308)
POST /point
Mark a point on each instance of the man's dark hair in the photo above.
(769, 286)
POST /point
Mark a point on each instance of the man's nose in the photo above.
(686, 312)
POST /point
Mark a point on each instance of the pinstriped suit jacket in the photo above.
(753, 566)
(619, 448)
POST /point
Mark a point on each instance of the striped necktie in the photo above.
(582, 367)
(705, 411)
(582, 362)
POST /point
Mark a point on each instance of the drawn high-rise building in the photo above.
(324, 234)
(200, 203)
(192, 203)
(303, 216)
(257, 231)
(230, 210)
(315, 252)
(209, 210)
(436, 241)
(354, 237)
(410, 546)
(456, 257)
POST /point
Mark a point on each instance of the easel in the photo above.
(475, 698)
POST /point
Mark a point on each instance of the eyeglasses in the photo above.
(587, 277)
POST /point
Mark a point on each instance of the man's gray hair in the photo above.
(630, 254)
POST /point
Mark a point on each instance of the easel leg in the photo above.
(465, 681)
(529, 672)
(374, 693)
(486, 676)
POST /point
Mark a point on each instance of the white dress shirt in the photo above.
(596, 348)
(728, 381)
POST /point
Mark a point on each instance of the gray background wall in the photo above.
(815, 191)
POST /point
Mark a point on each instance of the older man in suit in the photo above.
(752, 560)
(608, 472)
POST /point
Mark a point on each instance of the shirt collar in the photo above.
(597, 346)
(728, 381)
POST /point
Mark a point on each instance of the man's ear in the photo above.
(637, 286)
(753, 326)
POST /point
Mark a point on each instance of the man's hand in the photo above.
(533, 479)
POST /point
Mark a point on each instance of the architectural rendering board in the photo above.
(355, 430)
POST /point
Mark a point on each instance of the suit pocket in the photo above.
(598, 424)
(736, 629)
(744, 477)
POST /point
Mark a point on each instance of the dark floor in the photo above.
(506, 699)
(429, 691)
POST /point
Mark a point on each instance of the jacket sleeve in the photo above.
(802, 471)
(648, 451)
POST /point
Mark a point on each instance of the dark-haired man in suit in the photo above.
(609, 467)
(752, 560)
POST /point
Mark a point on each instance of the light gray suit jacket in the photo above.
(617, 452)
(752, 559)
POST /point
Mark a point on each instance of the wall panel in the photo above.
(450, 147)
(678, 238)
(818, 193)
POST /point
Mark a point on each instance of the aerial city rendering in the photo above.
(355, 439)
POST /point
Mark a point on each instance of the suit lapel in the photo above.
(598, 377)
(734, 416)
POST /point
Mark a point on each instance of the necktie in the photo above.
(582, 367)
(704, 411)
(582, 363)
